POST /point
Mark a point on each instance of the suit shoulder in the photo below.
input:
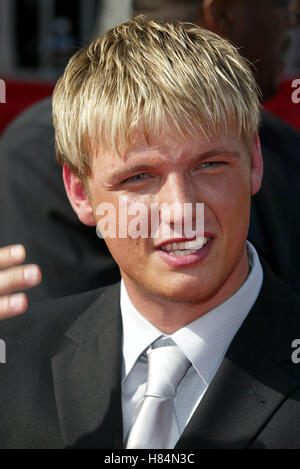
(38, 114)
(275, 319)
(270, 122)
(278, 295)
(280, 137)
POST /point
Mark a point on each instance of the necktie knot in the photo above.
(166, 367)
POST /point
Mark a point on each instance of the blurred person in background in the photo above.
(281, 104)
(293, 55)
(36, 212)
(260, 30)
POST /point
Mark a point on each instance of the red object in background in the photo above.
(19, 96)
(283, 106)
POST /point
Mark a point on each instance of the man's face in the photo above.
(170, 169)
(259, 28)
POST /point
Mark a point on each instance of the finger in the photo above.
(12, 255)
(13, 305)
(19, 278)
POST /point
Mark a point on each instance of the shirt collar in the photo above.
(138, 332)
(205, 340)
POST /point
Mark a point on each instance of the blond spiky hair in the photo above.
(151, 73)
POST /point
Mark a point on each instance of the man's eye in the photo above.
(137, 177)
(211, 164)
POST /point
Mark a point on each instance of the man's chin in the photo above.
(187, 294)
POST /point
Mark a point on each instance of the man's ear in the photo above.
(78, 197)
(257, 166)
(218, 16)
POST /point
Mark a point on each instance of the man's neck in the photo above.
(169, 315)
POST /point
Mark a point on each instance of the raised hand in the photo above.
(14, 278)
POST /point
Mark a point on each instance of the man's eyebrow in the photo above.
(217, 152)
(119, 174)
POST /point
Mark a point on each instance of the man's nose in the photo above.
(176, 198)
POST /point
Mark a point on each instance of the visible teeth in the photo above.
(185, 252)
(187, 248)
(196, 244)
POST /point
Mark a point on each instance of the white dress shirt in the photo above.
(204, 342)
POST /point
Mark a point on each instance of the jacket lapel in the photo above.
(238, 403)
(251, 382)
(87, 377)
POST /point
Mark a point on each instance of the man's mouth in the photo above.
(185, 248)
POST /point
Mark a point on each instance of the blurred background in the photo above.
(37, 37)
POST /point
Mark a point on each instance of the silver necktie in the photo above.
(155, 426)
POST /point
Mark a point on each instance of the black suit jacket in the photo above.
(60, 387)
